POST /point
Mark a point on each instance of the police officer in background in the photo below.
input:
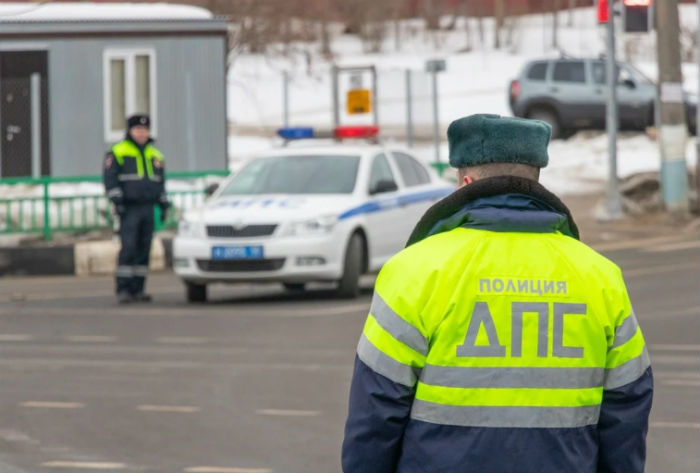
(134, 179)
(497, 341)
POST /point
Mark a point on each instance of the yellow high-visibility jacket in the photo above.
(498, 342)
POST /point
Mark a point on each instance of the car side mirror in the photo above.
(384, 186)
(210, 189)
(629, 83)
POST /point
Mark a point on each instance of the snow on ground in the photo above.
(474, 82)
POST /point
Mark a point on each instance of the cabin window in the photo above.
(129, 89)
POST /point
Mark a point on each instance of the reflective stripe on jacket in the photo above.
(499, 342)
(135, 175)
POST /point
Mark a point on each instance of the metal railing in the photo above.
(47, 205)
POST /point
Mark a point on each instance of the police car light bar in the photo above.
(296, 133)
(340, 132)
(370, 131)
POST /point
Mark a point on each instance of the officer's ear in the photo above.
(463, 179)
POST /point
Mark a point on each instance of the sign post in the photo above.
(434, 66)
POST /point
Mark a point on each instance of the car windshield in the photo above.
(313, 174)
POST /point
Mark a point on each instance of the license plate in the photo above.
(237, 252)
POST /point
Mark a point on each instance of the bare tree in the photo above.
(572, 6)
(499, 13)
(555, 24)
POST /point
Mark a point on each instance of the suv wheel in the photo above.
(547, 116)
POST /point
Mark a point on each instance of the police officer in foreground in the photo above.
(497, 341)
(134, 178)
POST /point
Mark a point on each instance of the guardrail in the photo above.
(53, 204)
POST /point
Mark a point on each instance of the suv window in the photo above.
(538, 71)
(569, 71)
(381, 171)
(600, 73)
(412, 172)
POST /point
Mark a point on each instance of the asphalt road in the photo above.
(257, 380)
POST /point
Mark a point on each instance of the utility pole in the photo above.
(697, 117)
(613, 201)
(672, 129)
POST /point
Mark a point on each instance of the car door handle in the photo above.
(554, 89)
(599, 91)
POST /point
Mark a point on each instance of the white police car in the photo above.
(298, 215)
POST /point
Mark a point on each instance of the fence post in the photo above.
(156, 215)
(47, 216)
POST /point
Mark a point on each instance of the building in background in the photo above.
(71, 72)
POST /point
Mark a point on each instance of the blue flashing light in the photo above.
(296, 133)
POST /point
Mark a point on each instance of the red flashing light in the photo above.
(370, 131)
(603, 11)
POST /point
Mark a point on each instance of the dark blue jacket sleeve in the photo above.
(378, 413)
(110, 176)
(623, 424)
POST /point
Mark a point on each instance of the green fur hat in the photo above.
(483, 138)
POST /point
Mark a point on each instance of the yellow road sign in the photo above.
(359, 101)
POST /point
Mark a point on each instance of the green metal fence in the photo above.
(47, 205)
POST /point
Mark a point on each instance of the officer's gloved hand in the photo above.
(164, 207)
(119, 206)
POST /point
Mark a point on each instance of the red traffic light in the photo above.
(603, 11)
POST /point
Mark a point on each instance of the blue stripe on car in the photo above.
(393, 202)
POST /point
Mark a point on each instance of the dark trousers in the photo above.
(136, 233)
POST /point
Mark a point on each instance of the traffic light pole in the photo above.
(673, 129)
(613, 201)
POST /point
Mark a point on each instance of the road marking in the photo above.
(91, 338)
(307, 312)
(674, 347)
(676, 425)
(675, 359)
(53, 404)
(668, 268)
(182, 340)
(84, 465)
(635, 243)
(681, 382)
(48, 296)
(287, 412)
(11, 435)
(156, 408)
(683, 245)
(15, 337)
(225, 469)
(660, 374)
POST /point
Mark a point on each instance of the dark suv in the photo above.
(570, 94)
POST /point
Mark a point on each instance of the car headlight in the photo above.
(314, 226)
(190, 228)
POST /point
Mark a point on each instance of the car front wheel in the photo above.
(349, 283)
(196, 292)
